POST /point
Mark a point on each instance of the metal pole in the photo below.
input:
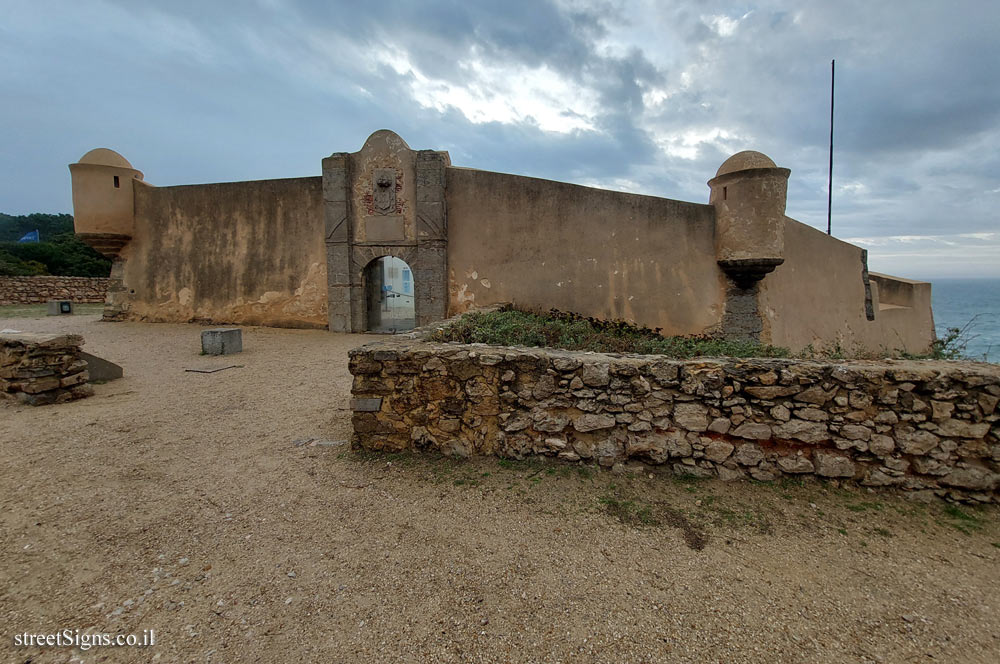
(829, 182)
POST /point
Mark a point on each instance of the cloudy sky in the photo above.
(638, 95)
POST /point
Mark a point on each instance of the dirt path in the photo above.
(179, 502)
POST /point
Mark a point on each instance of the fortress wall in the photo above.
(903, 311)
(817, 296)
(241, 252)
(546, 244)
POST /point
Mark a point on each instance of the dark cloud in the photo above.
(660, 94)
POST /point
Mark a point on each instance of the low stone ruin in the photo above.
(919, 426)
(39, 369)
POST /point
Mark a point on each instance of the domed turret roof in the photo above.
(105, 157)
(745, 160)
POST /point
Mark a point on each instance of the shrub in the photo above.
(557, 329)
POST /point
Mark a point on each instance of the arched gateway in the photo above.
(385, 200)
(389, 295)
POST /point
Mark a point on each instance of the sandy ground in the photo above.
(178, 502)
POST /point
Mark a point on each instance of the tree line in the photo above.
(58, 253)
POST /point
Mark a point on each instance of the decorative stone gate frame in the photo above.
(385, 200)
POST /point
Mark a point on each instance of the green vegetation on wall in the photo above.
(559, 329)
(60, 252)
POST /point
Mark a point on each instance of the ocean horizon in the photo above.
(971, 305)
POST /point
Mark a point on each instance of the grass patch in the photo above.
(639, 515)
(788, 482)
(571, 331)
(956, 512)
(380, 457)
(41, 310)
(865, 507)
(556, 329)
(961, 520)
(689, 479)
(628, 512)
(742, 518)
(533, 465)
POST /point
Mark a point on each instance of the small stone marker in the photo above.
(100, 369)
(59, 307)
(222, 341)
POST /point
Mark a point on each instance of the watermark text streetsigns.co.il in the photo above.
(84, 640)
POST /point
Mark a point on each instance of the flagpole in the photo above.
(829, 181)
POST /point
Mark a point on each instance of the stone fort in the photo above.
(311, 252)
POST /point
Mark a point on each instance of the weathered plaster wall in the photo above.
(33, 290)
(545, 244)
(817, 296)
(241, 252)
(919, 426)
(903, 312)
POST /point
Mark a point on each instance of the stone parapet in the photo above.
(913, 425)
(39, 369)
(38, 290)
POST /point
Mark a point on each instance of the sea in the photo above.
(973, 306)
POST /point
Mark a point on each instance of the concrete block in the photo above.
(366, 405)
(222, 341)
(101, 370)
(60, 307)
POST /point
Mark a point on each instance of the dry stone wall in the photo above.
(34, 290)
(919, 426)
(39, 369)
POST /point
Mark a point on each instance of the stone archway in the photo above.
(389, 296)
(385, 200)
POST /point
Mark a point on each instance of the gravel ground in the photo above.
(180, 502)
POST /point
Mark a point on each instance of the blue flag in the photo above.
(33, 236)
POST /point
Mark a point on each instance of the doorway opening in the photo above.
(389, 295)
